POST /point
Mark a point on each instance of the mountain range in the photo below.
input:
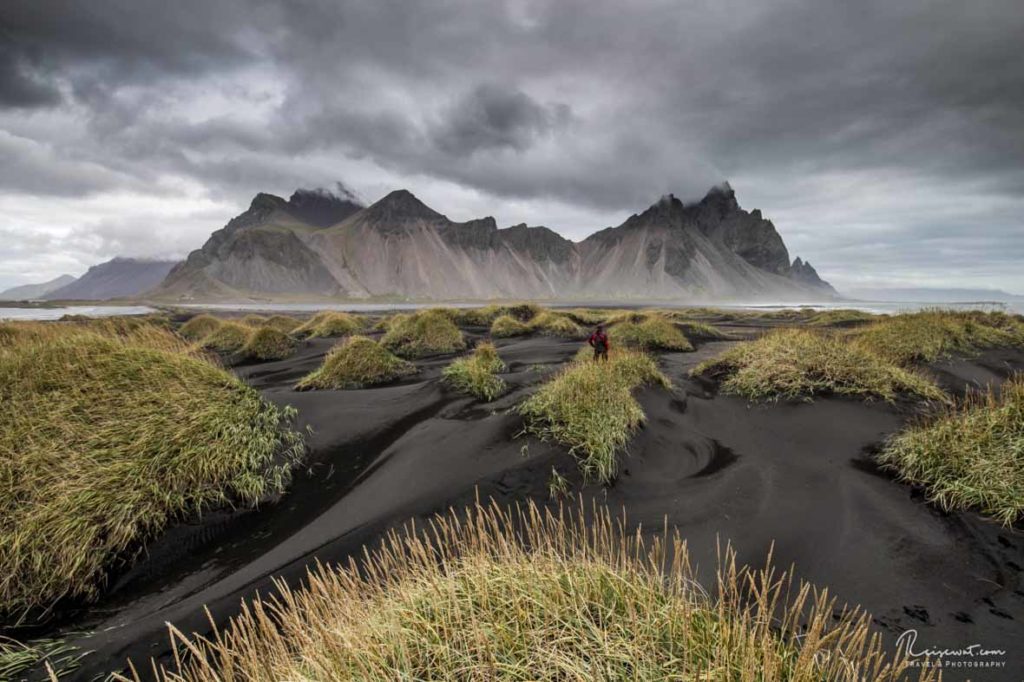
(317, 244)
(31, 292)
(116, 278)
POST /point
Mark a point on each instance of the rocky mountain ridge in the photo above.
(317, 244)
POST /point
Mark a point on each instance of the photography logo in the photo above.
(969, 656)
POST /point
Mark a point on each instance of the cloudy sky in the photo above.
(884, 139)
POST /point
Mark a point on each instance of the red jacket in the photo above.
(599, 339)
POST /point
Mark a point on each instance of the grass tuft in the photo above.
(475, 374)
(802, 363)
(283, 323)
(531, 594)
(199, 327)
(356, 362)
(970, 456)
(330, 323)
(424, 333)
(556, 324)
(268, 343)
(589, 407)
(653, 332)
(227, 338)
(506, 326)
(477, 317)
(107, 439)
(929, 335)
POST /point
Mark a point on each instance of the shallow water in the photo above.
(876, 307)
(57, 313)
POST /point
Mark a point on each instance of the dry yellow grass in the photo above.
(589, 407)
(107, 438)
(330, 323)
(424, 333)
(199, 327)
(525, 594)
(970, 455)
(356, 362)
(802, 363)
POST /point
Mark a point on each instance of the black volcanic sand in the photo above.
(799, 475)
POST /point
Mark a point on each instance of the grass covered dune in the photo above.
(465, 600)
(970, 456)
(589, 407)
(356, 362)
(875, 360)
(107, 438)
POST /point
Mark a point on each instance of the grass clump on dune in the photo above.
(555, 324)
(267, 343)
(971, 456)
(424, 333)
(330, 323)
(842, 317)
(507, 326)
(199, 327)
(589, 407)
(654, 332)
(356, 362)
(932, 334)
(476, 374)
(253, 320)
(477, 317)
(283, 323)
(588, 316)
(528, 594)
(802, 363)
(227, 338)
(108, 439)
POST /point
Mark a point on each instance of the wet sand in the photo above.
(796, 475)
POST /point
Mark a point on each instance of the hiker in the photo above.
(599, 342)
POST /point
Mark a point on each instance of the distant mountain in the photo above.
(711, 249)
(117, 278)
(931, 295)
(30, 292)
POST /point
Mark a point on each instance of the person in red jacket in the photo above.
(599, 342)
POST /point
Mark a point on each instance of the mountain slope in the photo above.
(28, 292)
(117, 278)
(711, 249)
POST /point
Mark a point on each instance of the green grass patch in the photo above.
(551, 323)
(424, 333)
(653, 332)
(476, 374)
(970, 456)
(253, 320)
(105, 440)
(330, 323)
(532, 594)
(356, 362)
(589, 407)
(199, 327)
(802, 363)
(268, 343)
(229, 337)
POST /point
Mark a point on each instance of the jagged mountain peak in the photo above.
(401, 205)
(323, 207)
(265, 200)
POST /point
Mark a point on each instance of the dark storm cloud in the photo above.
(601, 105)
(492, 117)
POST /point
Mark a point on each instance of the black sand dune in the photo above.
(796, 475)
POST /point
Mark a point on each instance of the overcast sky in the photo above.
(885, 139)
